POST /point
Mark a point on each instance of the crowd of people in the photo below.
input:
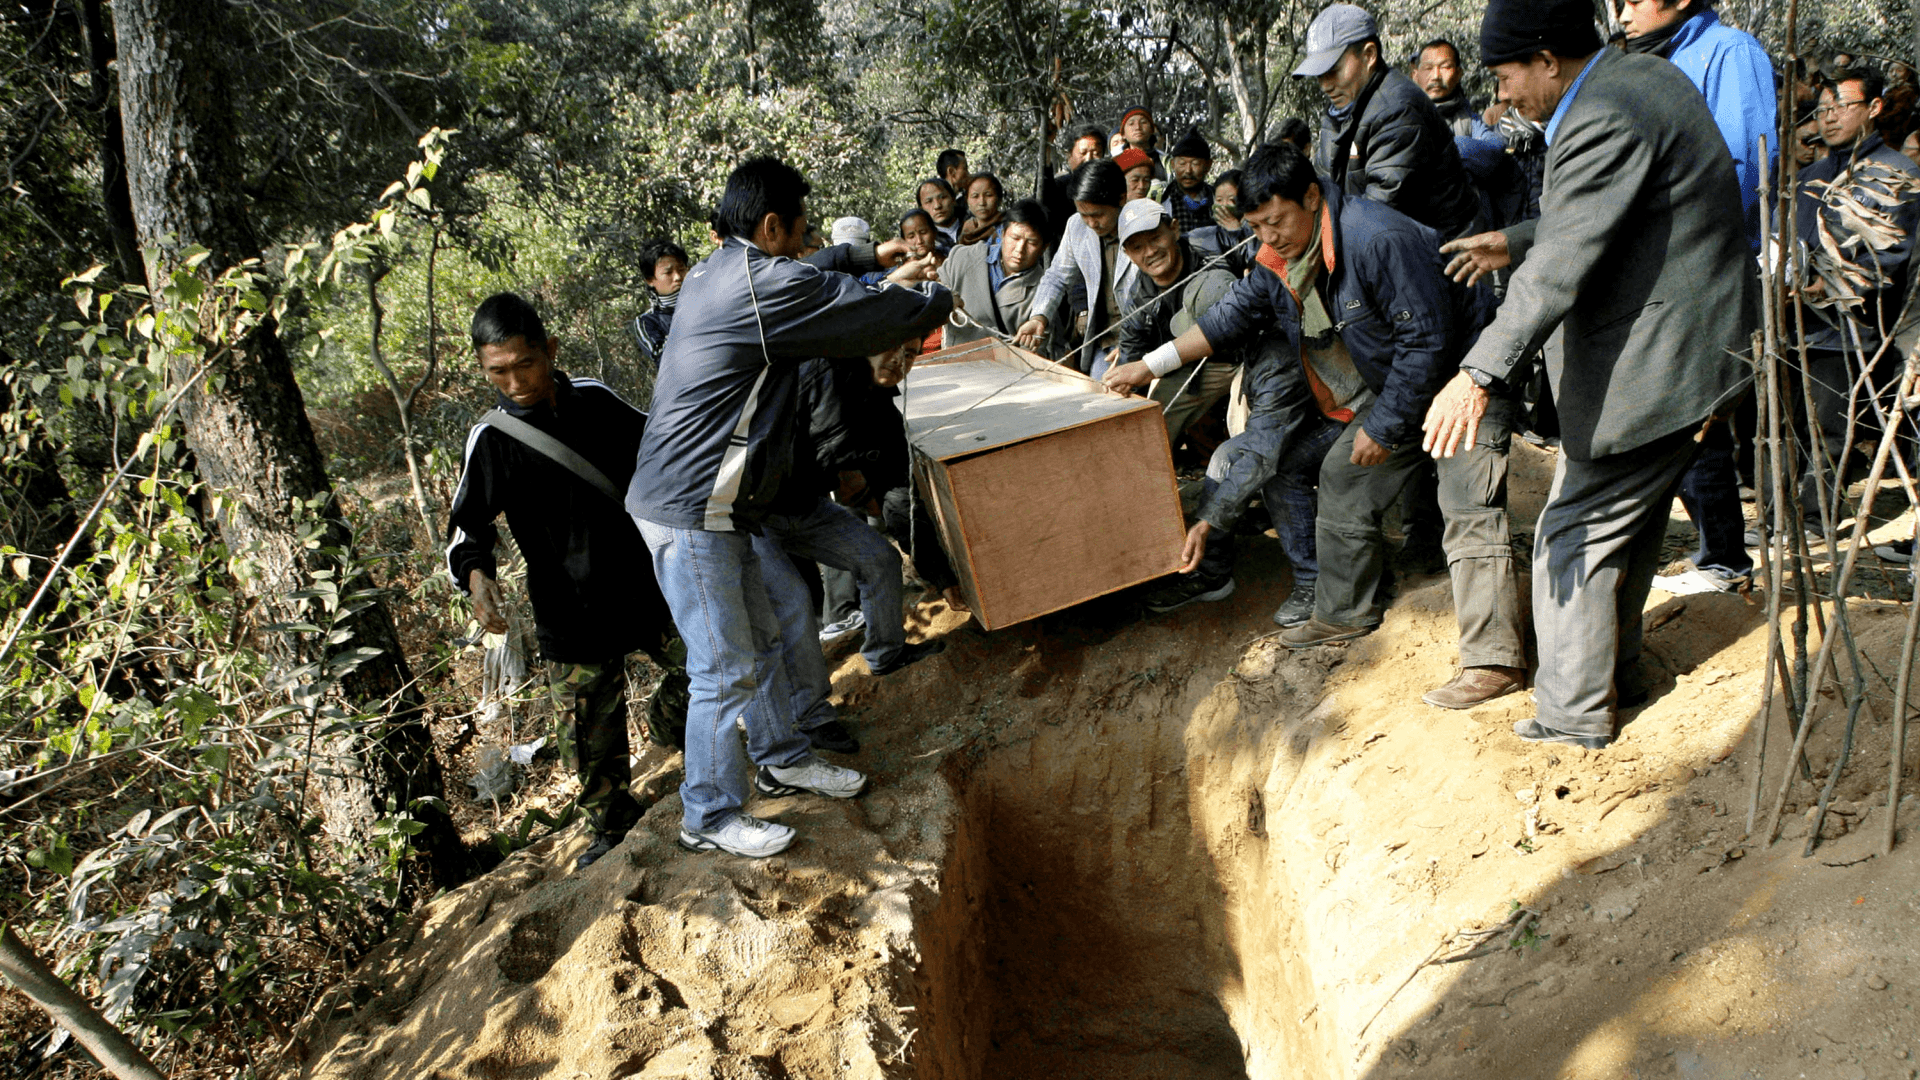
(1351, 325)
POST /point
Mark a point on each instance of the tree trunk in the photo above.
(248, 428)
(116, 203)
(109, 1046)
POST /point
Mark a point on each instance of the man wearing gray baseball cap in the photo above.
(1381, 136)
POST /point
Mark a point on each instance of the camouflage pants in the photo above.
(596, 696)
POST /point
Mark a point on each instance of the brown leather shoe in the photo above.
(1476, 685)
(1314, 632)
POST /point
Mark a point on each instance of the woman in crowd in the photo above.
(996, 281)
(984, 216)
(921, 233)
(936, 198)
(1137, 167)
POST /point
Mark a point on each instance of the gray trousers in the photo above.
(1594, 557)
(1473, 502)
(1209, 386)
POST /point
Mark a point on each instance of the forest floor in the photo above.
(1103, 845)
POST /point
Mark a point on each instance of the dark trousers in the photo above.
(596, 696)
(1832, 376)
(1595, 552)
(1710, 490)
(1292, 498)
(1477, 538)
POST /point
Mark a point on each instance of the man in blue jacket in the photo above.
(1358, 288)
(715, 457)
(1735, 75)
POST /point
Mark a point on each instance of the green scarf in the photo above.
(1315, 323)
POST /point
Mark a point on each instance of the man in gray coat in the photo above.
(994, 281)
(1639, 254)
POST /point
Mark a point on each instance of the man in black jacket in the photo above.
(588, 574)
(1860, 171)
(1382, 137)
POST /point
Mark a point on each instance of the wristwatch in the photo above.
(1482, 379)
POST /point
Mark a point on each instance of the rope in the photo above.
(1123, 320)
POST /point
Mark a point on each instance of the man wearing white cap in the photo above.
(1171, 273)
(1382, 137)
(851, 230)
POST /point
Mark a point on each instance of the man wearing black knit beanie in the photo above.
(1639, 256)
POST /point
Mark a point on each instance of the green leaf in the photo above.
(393, 189)
(419, 198)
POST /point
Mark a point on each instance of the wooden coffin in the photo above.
(1047, 489)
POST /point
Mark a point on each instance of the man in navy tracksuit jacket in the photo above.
(716, 453)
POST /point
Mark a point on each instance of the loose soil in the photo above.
(1108, 846)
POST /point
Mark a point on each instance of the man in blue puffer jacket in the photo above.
(1373, 328)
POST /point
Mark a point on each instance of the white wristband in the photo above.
(1163, 359)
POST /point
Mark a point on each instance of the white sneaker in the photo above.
(743, 834)
(814, 777)
(1694, 582)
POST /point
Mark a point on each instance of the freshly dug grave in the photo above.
(1102, 846)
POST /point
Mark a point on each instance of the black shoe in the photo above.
(833, 735)
(1185, 589)
(1298, 608)
(910, 654)
(602, 843)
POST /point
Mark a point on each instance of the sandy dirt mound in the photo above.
(1106, 846)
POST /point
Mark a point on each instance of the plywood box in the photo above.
(1047, 488)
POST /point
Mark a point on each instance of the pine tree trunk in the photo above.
(248, 427)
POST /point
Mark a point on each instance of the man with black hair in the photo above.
(1355, 289)
(1860, 168)
(1189, 197)
(1089, 256)
(951, 166)
(711, 467)
(1085, 142)
(1639, 254)
(1382, 137)
(995, 281)
(1298, 132)
(663, 266)
(589, 577)
(1437, 71)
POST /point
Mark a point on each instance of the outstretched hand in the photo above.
(1196, 547)
(1453, 420)
(1126, 378)
(1474, 257)
(1028, 335)
(890, 252)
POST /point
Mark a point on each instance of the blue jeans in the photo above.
(712, 582)
(1293, 502)
(832, 536)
